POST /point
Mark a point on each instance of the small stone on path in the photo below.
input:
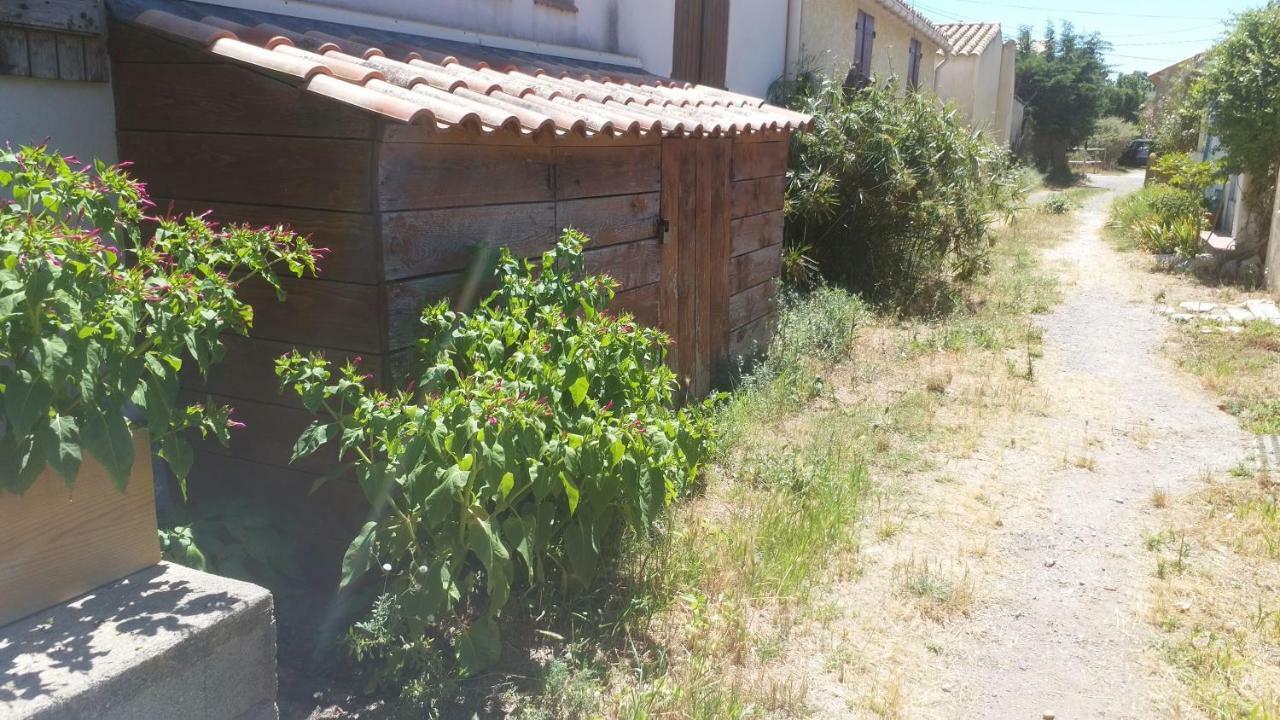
(1196, 306)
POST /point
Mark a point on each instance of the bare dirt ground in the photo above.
(1011, 580)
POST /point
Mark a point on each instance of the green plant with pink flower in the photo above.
(102, 305)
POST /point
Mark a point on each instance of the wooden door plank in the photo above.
(751, 304)
(641, 302)
(631, 264)
(756, 160)
(756, 231)
(13, 52)
(316, 173)
(42, 53)
(97, 64)
(714, 166)
(247, 370)
(677, 190)
(423, 177)
(751, 197)
(599, 171)
(425, 242)
(343, 316)
(349, 237)
(70, 57)
(683, 263)
(753, 268)
(611, 220)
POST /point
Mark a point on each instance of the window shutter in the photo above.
(701, 47)
(686, 60)
(715, 42)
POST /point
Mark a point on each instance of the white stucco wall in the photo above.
(981, 86)
(757, 45)
(638, 29)
(78, 118)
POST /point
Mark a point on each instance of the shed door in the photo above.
(694, 302)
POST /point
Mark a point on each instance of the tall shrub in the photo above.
(536, 430)
(891, 194)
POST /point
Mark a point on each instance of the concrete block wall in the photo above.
(166, 642)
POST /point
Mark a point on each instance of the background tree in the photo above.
(1128, 94)
(1063, 81)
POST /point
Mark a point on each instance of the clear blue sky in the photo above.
(1147, 34)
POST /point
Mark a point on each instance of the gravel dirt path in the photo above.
(1066, 629)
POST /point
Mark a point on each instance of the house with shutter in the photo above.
(978, 77)
(856, 40)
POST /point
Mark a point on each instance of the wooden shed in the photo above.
(402, 154)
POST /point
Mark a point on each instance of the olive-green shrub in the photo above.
(891, 194)
(537, 430)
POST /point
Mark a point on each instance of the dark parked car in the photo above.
(1137, 153)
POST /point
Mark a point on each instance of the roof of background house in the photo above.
(1165, 73)
(970, 38)
(422, 80)
(918, 20)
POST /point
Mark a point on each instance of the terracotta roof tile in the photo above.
(442, 83)
(970, 38)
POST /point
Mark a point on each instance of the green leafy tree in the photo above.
(1127, 94)
(1242, 80)
(1063, 81)
(98, 316)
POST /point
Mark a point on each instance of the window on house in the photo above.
(565, 5)
(863, 39)
(914, 55)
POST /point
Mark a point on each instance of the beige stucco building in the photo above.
(828, 36)
(978, 77)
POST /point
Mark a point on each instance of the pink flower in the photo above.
(357, 360)
(608, 406)
(492, 421)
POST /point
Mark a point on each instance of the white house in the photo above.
(978, 76)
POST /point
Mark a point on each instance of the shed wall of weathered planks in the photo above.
(403, 211)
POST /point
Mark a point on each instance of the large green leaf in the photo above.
(107, 436)
(26, 399)
(359, 556)
(316, 435)
(64, 447)
(178, 454)
(480, 647)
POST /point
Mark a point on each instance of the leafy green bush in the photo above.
(538, 430)
(96, 316)
(892, 193)
(1058, 204)
(1180, 171)
(1243, 79)
(1112, 135)
(1161, 219)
